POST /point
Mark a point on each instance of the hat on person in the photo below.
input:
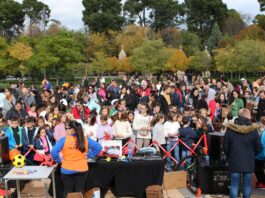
(114, 101)
(243, 79)
(113, 112)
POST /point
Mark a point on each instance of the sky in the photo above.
(69, 12)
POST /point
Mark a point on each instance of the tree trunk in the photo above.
(57, 75)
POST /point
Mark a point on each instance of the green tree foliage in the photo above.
(233, 24)
(11, 18)
(262, 5)
(135, 10)
(36, 11)
(172, 37)
(102, 15)
(260, 20)
(201, 15)
(191, 43)
(214, 38)
(150, 57)
(163, 13)
(200, 61)
(245, 56)
(58, 52)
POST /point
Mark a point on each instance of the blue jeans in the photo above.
(176, 153)
(235, 181)
(186, 153)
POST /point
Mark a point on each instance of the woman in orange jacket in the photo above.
(75, 148)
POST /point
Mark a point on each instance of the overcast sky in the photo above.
(69, 12)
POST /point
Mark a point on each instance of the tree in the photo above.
(163, 13)
(102, 15)
(11, 18)
(245, 56)
(201, 15)
(37, 12)
(130, 37)
(262, 5)
(260, 21)
(214, 38)
(135, 10)
(177, 60)
(22, 52)
(58, 53)
(233, 24)
(150, 57)
(172, 37)
(191, 43)
(200, 61)
(253, 32)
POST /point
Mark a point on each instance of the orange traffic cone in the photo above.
(198, 192)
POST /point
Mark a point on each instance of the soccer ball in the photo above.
(19, 161)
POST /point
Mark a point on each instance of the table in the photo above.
(38, 173)
(125, 179)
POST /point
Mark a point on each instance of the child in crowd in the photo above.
(158, 131)
(260, 158)
(32, 110)
(188, 135)
(141, 124)
(42, 144)
(104, 130)
(122, 129)
(171, 128)
(91, 126)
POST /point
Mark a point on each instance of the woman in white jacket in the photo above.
(171, 128)
(122, 129)
(141, 124)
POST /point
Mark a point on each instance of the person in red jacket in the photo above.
(144, 90)
(80, 111)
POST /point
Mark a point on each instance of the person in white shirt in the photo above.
(171, 128)
(141, 124)
(122, 129)
(91, 126)
(158, 131)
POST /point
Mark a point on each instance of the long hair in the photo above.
(157, 118)
(79, 134)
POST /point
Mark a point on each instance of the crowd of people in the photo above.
(172, 107)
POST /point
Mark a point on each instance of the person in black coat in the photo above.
(241, 145)
(261, 105)
(165, 100)
(16, 111)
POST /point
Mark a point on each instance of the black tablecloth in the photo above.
(126, 179)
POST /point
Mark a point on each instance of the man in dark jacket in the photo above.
(165, 99)
(241, 145)
(16, 111)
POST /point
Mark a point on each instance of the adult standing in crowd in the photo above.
(75, 149)
(241, 145)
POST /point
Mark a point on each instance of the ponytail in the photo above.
(79, 134)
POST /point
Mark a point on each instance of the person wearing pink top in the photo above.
(59, 130)
(32, 110)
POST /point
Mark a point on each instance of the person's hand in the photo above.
(2, 133)
(20, 145)
(17, 146)
(31, 146)
(148, 128)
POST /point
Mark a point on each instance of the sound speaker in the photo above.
(4, 154)
(215, 146)
(212, 179)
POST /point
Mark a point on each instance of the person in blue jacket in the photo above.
(14, 133)
(260, 158)
(75, 149)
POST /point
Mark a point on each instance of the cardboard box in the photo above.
(174, 180)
